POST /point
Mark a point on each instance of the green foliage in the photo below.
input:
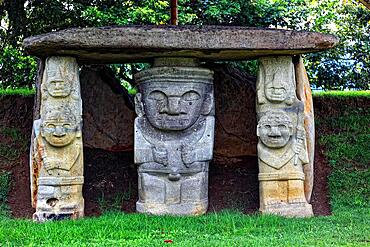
(125, 74)
(4, 186)
(113, 204)
(346, 66)
(4, 190)
(16, 69)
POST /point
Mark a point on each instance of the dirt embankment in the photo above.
(111, 177)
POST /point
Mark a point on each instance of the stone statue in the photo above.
(282, 146)
(276, 82)
(174, 134)
(60, 76)
(282, 153)
(59, 130)
(57, 150)
(60, 166)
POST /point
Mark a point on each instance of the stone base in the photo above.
(190, 208)
(52, 216)
(288, 209)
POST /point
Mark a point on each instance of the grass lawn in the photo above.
(17, 91)
(348, 227)
(348, 152)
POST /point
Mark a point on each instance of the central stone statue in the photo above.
(174, 134)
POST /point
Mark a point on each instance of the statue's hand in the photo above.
(298, 146)
(301, 134)
(160, 155)
(188, 156)
(50, 165)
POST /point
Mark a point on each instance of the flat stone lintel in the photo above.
(143, 43)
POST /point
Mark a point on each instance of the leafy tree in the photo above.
(345, 66)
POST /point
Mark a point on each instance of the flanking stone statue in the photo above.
(174, 134)
(57, 154)
(282, 147)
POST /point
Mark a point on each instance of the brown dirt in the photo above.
(16, 113)
(111, 177)
(320, 194)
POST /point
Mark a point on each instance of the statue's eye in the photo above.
(190, 96)
(282, 126)
(267, 126)
(67, 126)
(157, 95)
(56, 82)
(50, 126)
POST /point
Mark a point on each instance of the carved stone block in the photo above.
(174, 134)
(282, 147)
(56, 153)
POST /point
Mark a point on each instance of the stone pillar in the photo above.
(174, 133)
(282, 145)
(56, 150)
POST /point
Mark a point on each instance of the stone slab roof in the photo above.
(143, 43)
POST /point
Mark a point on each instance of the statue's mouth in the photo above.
(59, 92)
(275, 138)
(177, 120)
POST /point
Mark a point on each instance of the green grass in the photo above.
(222, 229)
(343, 94)
(17, 91)
(4, 190)
(347, 150)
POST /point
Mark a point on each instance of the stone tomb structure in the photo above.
(174, 127)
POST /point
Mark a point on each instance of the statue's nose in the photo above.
(173, 107)
(59, 131)
(275, 131)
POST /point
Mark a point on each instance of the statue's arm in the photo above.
(203, 149)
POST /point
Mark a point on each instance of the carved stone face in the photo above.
(275, 129)
(59, 128)
(58, 87)
(276, 88)
(59, 77)
(171, 105)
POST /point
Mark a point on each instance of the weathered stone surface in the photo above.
(174, 134)
(305, 95)
(235, 100)
(108, 120)
(56, 155)
(140, 43)
(282, 147)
